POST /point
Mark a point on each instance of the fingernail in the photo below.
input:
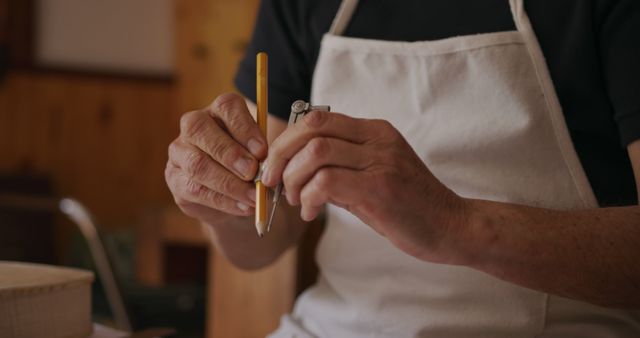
(265, 173)
(242, 206)
(254, 146)
(242, 166)
(252, 194)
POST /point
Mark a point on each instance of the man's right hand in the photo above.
(213, 161)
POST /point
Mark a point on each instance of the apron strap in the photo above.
(343, 17)
(523, 24)
(518, 13)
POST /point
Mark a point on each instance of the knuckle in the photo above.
(323, 179)
(192, 124)
(218, 148)
(275, 148)
(316, 119)
(386, 128)
(225, 184)
(242, 128)
(379, 124)
(215, 198)
(289, 180)
(319, 147)
(196, 164)
(211, 198)
(185, 120)
(194, 189)
(305, 196)
(310, 194)
(225, 103)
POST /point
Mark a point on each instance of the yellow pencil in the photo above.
(261, 98)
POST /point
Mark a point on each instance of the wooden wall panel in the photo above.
(101, 140)
(211, 37)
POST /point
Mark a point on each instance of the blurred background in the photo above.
(90, 97)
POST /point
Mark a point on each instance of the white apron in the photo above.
(482, 113)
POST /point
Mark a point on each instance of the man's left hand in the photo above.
(368, 168)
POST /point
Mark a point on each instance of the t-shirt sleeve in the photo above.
(279, 31)
(620, 51)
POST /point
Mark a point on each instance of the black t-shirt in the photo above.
(592, 49)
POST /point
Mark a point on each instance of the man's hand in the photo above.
(210, 173)
(367, 168)
(213, 161)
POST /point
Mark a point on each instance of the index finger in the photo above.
(231, 110)
(314, 124)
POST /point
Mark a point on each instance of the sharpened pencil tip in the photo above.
(260, 235)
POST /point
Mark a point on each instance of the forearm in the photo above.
(236, 238)
(591, 255)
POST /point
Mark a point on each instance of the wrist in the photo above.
(477, 234)
(463, 219)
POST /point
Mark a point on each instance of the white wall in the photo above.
(123, 36)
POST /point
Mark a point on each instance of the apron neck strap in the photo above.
(348, 7)
(519, 15)
(343, 17)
